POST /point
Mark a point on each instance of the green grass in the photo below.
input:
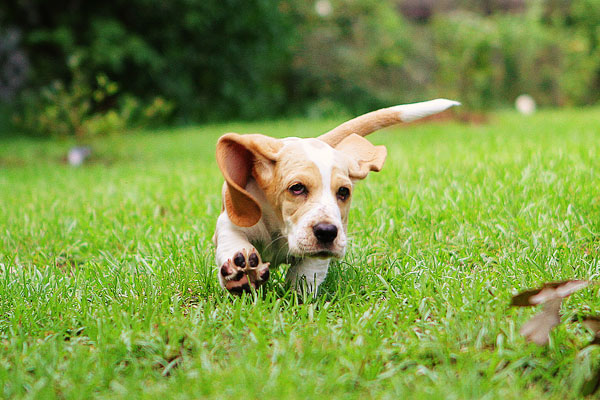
(108, 286)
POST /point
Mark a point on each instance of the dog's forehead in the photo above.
(309, 148)
(306, 143)
(310, 151)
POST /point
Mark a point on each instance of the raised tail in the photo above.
(373, 121)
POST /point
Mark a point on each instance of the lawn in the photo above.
(108, 285)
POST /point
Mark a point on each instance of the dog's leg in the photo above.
(308, 274)
(240, 265)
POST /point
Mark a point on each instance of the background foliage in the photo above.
(194, 60)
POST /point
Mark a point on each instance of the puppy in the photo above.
(287, 200)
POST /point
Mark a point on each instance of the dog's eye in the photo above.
(343, 193)
(297, 189)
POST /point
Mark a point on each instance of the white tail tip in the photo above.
(411, 112)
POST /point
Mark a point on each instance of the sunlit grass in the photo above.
(108, 286)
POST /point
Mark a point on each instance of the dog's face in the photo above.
(312, 189)
(307, 183)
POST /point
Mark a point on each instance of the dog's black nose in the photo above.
(325, 233)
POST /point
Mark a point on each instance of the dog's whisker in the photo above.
(273, 241)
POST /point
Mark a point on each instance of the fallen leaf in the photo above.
(538, 328)
(592, 322)
(550, 291)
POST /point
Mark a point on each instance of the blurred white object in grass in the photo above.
(77, 155)
(323, 8)
(525, 104)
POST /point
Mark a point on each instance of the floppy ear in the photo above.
(240, 157)
(366, 157)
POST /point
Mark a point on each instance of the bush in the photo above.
(210, 58)
(83, 110)
(360, 56)
(487, 62)
(583, 19)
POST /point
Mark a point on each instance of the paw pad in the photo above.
(244, 272)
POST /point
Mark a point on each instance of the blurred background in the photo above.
(84, 68)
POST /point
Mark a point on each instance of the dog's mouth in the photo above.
(318, 253)
(310, 248)
(323, 254)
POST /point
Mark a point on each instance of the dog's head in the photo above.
(307, 182)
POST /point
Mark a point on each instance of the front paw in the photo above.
(244, 272)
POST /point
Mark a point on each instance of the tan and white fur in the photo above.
(287, 200)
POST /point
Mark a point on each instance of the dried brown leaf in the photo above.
(592, 322)
(538, 328)
(522, 299)
(550, 291)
